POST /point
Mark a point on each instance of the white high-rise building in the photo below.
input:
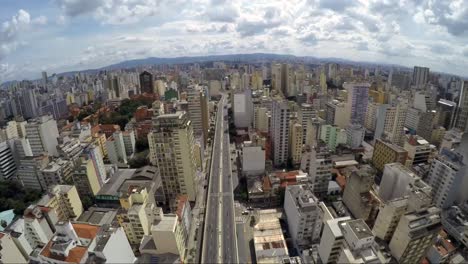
(42, 134)
(253, 159)
(171, 146)
(355, 135)
(305, 113)
(318, 165)
(116, 151)
(7, 162)
(243, 109)
(396, 181)
(390, 122)
(446, 177)
(304, 215)
(279, 131)
(129, 142)
(332, 240)
(359, 246)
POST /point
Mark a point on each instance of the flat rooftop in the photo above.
(111, 187)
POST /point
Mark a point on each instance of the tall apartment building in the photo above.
(42, 134)
(137, 214)
(318, 165)
(29, 172)
(426, 124)
(313, 131)
(261, 119)
(10, 252)
(414, 234)
(333, 136)
(129, 142)
(337, 113)
(39, 225)
(359, 246)
(332, 240)
(171, 232)
(64, 199)
(355, 135)
(358, 94)
(116, 151)
(446, 177)
(390, 121)
(446, 113)
(396, 180)
(356, 195)
(295, 142)
(304, 215)
(418, 196)
(195, 110)
(279, 131)
(7, 162)
(146, 82)
(419, 149)
(86, 177)
(243, 109)
(11, 130)
(462, 115)
(385, 152)
(305, 113)
(420, 77)
(412, 119)
(171, 149)
(388, 218)
(371, 116)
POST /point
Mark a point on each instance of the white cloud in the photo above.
(424, 32)
(40, 20)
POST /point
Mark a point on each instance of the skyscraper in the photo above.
(42, 134)
(197, 110)
(279, 131)
(420, 76)
(414, 234)
(171, 149)
(304, 215)
(446, 177)
(7, 164)
(295, 142)
(462, 115)
(28, 105)
(358, 94)
(146, 82)
(305, 113)
(390, 122)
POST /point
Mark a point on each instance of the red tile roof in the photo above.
(74, 256)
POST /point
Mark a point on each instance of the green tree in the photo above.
(139, 160)
(87, 202)
(141, 144)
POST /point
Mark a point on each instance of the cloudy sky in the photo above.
(63, 35)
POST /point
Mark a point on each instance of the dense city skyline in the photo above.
(91, 34)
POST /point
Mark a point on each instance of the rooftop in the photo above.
(98, 216)
(360, 228)
(166, 224)
(111, 187)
